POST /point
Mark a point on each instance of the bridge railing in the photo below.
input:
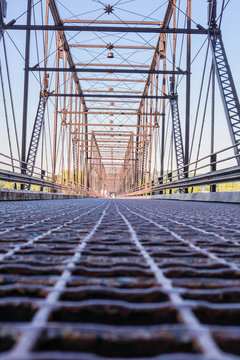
(14, 171)
(220, 164)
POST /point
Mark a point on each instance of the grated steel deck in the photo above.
(142, 279)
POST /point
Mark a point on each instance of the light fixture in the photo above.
(110, 55)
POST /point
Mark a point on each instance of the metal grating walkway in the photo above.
(95, 278)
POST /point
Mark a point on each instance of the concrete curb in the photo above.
(222, 197)
(16, 195)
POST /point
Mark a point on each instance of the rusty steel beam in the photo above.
(103, 134)
(122, 133)
(108, 79)
(127, 47)
(77, 21)
(113, 109)
(108, 141)
(110, 152)
(166, 22)
(114, 91)
(108, 159)
(114, 65)
(113, 96)
(115, 101)
(107, 71)
(109, 148)
(111, 164)
(111, 125)
(57, 21)
(112, 113)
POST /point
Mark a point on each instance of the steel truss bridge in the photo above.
(117, 108)
(134, 100)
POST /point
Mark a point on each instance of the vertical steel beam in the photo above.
(137, 150)
(70, 132)
(188, 92)
(56, 112)
(213, 157)
(86, 151)
(163, 50)
(150, 135)
(26, 88)
(78, 144)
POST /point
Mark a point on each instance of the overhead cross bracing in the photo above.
(106, 69)
(86, 132)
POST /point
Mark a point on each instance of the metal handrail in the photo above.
(145, 188)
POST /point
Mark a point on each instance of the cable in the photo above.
(199, 101)
(37, 51)
(16, 47)
(203, 120)
(6, 117)
(27, 10)
(221, 14)
(185, 14)
(11, 96)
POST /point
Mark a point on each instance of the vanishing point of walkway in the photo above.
(100, 278)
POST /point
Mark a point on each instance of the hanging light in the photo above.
(110, 55)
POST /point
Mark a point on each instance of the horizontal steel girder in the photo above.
(112, 80)
(109, 125)
(115, 65)
(113, 96)
(111, 164)
(127, 47)
(123, 29)
(77, 21)
(113, 113)
(109, 158)
(118, 71)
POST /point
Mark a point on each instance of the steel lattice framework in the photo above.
(228, 90)
(34, 142)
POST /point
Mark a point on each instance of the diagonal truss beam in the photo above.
(58, 22)
(177, 133)
(35, 138)
(228, 91)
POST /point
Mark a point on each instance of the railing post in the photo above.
(213, 167)
(160, 181)
(170, 179)
(152, 184)
(42, 178)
